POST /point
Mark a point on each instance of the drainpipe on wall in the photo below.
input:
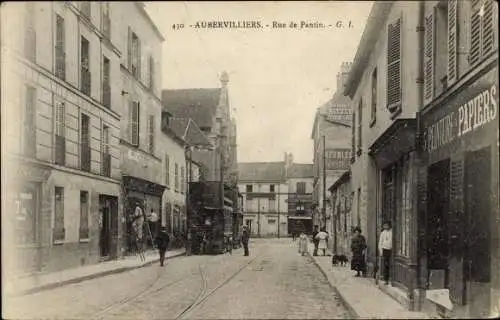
(416, 285)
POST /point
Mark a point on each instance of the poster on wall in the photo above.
(337, 159)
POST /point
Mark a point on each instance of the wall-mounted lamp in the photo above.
(124, 92)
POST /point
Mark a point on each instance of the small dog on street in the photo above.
(339, 258)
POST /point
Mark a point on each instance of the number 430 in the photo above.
(177, 26)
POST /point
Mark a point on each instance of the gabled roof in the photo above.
(197, 104)
(261, 171)
(300, 170)
(188, 131)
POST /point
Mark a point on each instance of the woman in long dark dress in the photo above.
(358, 246)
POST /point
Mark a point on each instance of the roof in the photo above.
(197, 104)
(188, 131)
(374, 23)
(261, 171)
(301, 170)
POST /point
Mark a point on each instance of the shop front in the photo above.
(395, 158)
(460, 196)
(147, 196)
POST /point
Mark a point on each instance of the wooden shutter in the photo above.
(452, 40)
(429, 50)
(60, 119)
(182, 179)
(353, 137)
(151, 133)
(394, 89)
(134, 123)
(488, 29)
(360, 123)
(456, 230)
(167, 170)
(129, 49)
(139, 59)
(475, 46)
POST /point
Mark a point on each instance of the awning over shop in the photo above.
(396, 141)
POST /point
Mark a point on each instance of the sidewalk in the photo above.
(361, 295)
(52, 280)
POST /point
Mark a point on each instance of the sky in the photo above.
(277, 76)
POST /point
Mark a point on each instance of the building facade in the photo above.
(60, 143)
(140, 43)
(331, 134)
(384, 84)
(343, 222)
(458, 176)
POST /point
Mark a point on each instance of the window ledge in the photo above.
(86, 240)
(58, 242)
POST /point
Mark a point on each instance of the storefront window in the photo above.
(405, 210)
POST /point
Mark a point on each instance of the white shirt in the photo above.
(385, 241)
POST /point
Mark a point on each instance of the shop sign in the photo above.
(340, 113)
(463, 119)
(338, 159)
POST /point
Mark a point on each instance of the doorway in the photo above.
(108, 223)
(478, 231)
(438, 180)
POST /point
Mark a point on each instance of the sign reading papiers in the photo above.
(338, 159)
(469, 117)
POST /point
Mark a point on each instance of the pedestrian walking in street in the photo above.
(315, 240)
(138, 227)
(245, 237)
(162, 240)
(385, 249)
(358, 247)
(303, 243)
(322, 237)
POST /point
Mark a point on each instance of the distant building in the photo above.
(331, 134)
(277, 196)
(343, 220)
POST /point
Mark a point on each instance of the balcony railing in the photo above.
(60, 150)
(29, 146)
(106, 95)
(85, 157)
(106, 165)
(60, 63)
(106, 26)
(30, 45)
(85, 84)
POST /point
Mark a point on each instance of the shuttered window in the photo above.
(394, 87)
(176, 172)
(482, 31)
(134, 123)
(60, 119)
(373, 113)
(353, 137)
(452, 40)
(429, 52)
(183, 184)
(360, 124)
(151, 134)
(167, 170)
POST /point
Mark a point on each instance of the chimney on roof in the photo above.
(224, 79)
(345, 68)
(288, 162)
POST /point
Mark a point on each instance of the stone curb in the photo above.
(335, 289)
(90, 277)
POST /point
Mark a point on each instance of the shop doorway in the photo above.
(108, 222)
(478, 230)
(438, 179)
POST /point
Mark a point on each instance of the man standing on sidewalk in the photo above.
(385, 249)
(162, 241)
(315, 241)
(245, 237)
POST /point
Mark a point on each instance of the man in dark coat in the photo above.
(162, 241)
(245, 237)
(315, 241)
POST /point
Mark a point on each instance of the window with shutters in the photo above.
(301, 187)
(29, 132)
(151, 77)
(134, 123)
(84, 216)
(440, 48)
(360, 125)
(30, 32)
(483, 30)
(60, 141)
(429, 40)
(134, 54)
(58, 234)
(85, 143)
(452, 34)
(60, 66)
(373, 117)
(85, 78)
(394, 85)
(106, 19)
(353, 137)
(183, 183)
(151, 134)
(176, 177)
(105, 155)
(167, 170)
(106, 82)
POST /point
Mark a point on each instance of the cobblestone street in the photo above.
(274, 282)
